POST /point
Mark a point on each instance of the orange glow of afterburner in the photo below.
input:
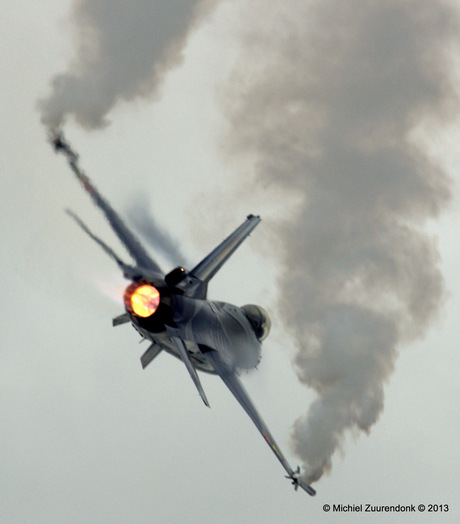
(142, 299)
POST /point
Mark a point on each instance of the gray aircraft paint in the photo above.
(208, 335)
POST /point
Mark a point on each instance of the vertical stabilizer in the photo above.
(197, 280)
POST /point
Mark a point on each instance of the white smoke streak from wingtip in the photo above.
(125, 48)
(328, 108)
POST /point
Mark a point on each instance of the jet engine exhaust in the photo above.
(141, 299)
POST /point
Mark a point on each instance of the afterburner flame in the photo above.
(142, 299)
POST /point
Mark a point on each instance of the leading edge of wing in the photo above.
(233, 383)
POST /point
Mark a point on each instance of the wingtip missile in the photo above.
(297, 481)
(57, 141)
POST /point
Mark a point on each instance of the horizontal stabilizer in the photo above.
(152, 352)
(121, 319)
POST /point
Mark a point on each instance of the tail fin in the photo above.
(197, 280)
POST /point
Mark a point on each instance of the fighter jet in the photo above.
(172, 311)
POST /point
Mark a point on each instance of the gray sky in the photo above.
(87, 436)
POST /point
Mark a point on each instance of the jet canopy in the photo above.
(259, 319)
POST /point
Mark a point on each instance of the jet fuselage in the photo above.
(205, 325)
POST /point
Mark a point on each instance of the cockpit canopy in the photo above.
(259, 319)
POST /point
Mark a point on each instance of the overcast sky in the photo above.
(86, 434)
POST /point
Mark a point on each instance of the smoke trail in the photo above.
(125, 48)
(141, 218)
(158, 237)
(329, 109)
(129, 241)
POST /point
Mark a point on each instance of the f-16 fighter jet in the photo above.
(173, 313)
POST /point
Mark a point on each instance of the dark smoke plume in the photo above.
(125, 48)
(329, 107)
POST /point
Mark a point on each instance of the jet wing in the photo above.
(236, 387)
(125, 235)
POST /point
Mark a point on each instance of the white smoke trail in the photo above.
(328, 102)
(125, 48)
